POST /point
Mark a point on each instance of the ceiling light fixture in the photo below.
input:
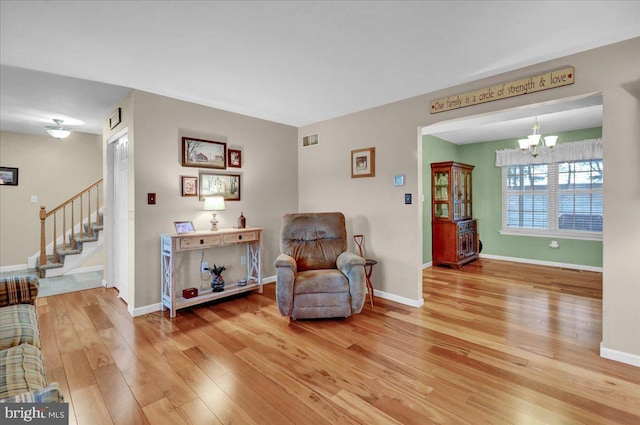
(58, 131)
(534, 143)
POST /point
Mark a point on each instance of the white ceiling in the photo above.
(291, 62)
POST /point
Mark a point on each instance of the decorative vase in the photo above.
(242, 222)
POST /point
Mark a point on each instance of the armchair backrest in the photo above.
(315, 240)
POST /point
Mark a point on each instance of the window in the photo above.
(563, 199)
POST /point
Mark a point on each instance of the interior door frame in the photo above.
(110, 215)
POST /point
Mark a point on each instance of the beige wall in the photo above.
(375, 207)
(53, 170)
(269, 184)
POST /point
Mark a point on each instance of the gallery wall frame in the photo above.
(227, 185)
(8, 176)
(234, 159)
(204, 153)
(363, 163)
(189, 185)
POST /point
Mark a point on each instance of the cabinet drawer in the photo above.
(202, 242)
(240, 237)
(467, 226)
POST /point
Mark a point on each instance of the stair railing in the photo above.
(59, 213)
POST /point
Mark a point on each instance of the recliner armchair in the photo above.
(316, 276)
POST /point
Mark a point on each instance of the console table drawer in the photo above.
(239, 237)
(201, 242)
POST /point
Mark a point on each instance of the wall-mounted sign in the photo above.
(549, 80)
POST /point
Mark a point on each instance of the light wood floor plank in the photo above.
(494, 343)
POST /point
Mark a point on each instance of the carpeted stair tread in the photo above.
(95, 230)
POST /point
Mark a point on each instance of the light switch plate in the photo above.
(151, 198)
(407, 198)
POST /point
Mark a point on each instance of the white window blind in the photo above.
(562, 198)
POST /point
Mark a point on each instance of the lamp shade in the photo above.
(550, 141)
(214, 203)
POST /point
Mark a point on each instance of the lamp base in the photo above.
(214, 222)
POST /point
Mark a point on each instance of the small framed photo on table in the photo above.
(184, 227)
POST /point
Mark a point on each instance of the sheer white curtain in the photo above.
(572, 151)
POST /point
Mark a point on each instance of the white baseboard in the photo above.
(619, 356)
(86, 270)
(427, 265)
(543, 263)
(270, 279)
(398, 299)
(13, 268)
(141, 311)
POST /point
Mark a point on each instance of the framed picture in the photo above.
(114, 119)
(227, 185)
(363, 163)
(189, 185)
(203, 153)
(8, 176)
(235, 158)
(184, 227)
(311, 139)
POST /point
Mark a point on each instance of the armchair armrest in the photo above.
(353, 267)
(286, 271)
(18, 290)
(347, 260)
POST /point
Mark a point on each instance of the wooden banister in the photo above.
(82, 197)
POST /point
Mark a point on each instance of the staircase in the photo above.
(81, 235)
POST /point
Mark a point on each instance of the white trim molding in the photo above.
(398, 299)
(543, 263)
(141, 311)
(619, 356)
(14, 268)
(427, 265)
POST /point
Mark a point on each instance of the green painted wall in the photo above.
(434, 150)
(487, 203)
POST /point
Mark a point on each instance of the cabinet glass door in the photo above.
(441, 186)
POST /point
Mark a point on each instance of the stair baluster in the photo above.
(89, 230)
(71, 202)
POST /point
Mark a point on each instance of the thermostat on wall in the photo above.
(398, 180)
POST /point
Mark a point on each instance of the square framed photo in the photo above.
(234, 158)
(227, 185)
(184, 227)
(189, 185)
(8, 176)
(203, 153)
(363, 163)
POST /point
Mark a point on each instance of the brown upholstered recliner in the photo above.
(316, 277)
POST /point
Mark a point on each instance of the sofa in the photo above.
(22, 373)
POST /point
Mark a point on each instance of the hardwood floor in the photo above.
(496, 342)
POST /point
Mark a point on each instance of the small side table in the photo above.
(368, 267)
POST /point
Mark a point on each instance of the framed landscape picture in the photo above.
(227, 185)
(203, 153)
(8, 176)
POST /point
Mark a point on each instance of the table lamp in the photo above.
(213, 204)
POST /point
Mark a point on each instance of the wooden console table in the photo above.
(173, 244)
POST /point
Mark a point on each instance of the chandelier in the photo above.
(535, 143)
